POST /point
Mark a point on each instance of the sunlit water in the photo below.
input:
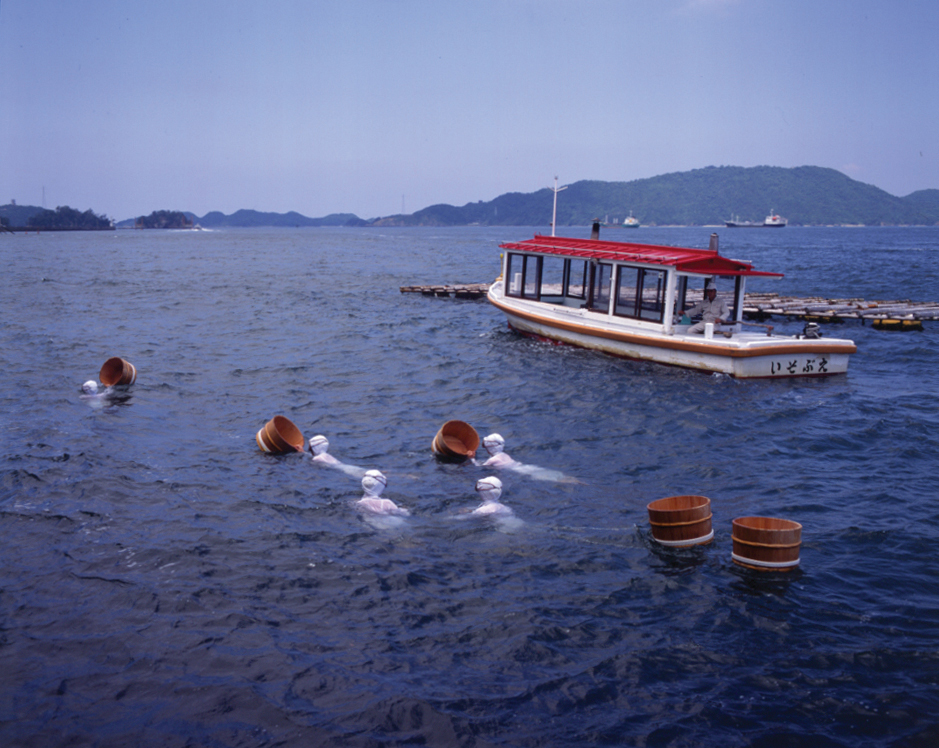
(165, 583)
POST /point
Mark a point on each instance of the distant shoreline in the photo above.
(43, 230)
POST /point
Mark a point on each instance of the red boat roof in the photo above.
(685, 259)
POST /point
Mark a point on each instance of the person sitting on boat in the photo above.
(711, 309)
(495, 444)
(373, 483)
(318, 446)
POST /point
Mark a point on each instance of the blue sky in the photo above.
(374, 106)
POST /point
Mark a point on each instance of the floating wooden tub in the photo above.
(117, 371)
(681, 520)
(455, 442)
(280, 436)
(766, 543)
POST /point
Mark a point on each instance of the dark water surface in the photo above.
(165, 583)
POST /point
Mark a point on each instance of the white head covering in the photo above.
(489, 489)
(374, 482)
(710, 285)
(319, 444)
(90, 387)
(494, 443)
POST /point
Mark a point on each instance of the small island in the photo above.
(65, 218)
(164, 219)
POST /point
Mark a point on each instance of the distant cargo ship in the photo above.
(628, 223)
(736, 223)
(771, 221)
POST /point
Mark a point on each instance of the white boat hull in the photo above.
(745, 355)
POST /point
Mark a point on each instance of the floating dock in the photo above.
(899, 314)
(892, 315)
(454, 290)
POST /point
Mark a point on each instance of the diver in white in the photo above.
(95, 397)
(495, 444)
(373, 484)
(318, 446)
(503, 518)
(490, 491)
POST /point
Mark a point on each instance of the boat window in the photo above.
(522, 276)
(513, 274)
(602, 276)
(652, 295)
(640, 293)
(577, 279)
(532, 277)
(552, 279)
(626, 291)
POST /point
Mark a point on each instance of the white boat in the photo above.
(630, 222)
(628, 300)
(773, 220)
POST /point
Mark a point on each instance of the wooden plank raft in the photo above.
(451, 290)
(894, 315)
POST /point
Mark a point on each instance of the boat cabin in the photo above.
(643, 283)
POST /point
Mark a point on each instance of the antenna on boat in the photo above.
(554, 216)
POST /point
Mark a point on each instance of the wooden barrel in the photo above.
(261, 439)
(280, 436)
(455, 442)
(766, 543)
(681, 520)
(117, 371)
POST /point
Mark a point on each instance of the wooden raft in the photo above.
(454, 290)
(894, 315)
(900, 314)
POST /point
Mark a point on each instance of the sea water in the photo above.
(164, 582)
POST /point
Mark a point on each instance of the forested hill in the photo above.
(246, 218)
(250, 218)
(806, 195)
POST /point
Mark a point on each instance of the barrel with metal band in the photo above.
(456, 441)
(766, 543)
(681, 520)
(280, 436)
(116, 371)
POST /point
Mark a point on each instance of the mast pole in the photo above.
(554, 216)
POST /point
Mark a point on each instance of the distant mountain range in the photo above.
(806, 196)
(249, 218)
